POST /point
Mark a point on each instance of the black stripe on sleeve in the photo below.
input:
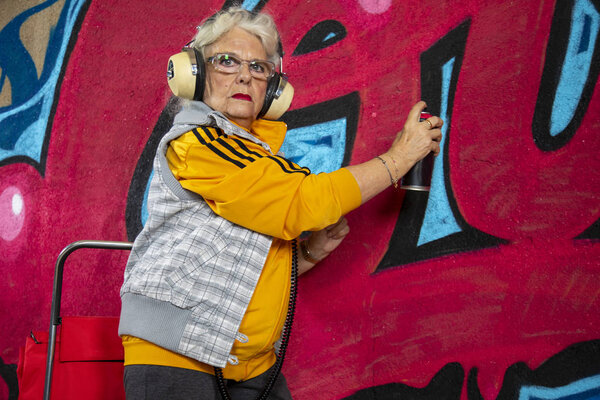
(233, 151)
(286, 168)
(211, 136)
(215, 150)
(245, 148)
(225, 156)
(205, 134)
(199, 136)
(292, 166)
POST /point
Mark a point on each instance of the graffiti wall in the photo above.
(486, 287)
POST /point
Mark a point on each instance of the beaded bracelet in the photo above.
(394, 181)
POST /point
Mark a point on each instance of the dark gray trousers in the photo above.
(149, 382)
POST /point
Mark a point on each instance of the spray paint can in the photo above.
(419, 176)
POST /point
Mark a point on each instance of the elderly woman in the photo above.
(208, 280)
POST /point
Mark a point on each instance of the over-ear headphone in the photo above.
(186, 74)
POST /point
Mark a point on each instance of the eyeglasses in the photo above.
(230, 64)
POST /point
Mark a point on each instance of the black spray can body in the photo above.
(419, 176)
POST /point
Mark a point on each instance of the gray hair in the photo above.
(259, 24)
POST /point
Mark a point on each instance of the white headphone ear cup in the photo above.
(183, 74)
(281, 101)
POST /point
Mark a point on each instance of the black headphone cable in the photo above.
(285, 336)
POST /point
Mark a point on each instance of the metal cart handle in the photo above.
(57, 293)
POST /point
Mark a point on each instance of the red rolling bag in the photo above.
(81, 357)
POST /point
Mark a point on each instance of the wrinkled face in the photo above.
(238, 96)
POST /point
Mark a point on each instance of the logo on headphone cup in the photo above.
(170, 70)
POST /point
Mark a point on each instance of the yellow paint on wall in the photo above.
(10, 9)
(35, 33)
(5, 93)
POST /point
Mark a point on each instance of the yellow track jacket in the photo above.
(244, 183)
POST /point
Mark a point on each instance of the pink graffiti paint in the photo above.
(12, 213)
(375, 6)
(523, 301)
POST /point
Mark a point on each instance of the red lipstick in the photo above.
(242, 96)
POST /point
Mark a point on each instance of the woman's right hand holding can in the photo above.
(412, 143)
(416, 139)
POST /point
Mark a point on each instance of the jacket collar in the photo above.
(268, 134)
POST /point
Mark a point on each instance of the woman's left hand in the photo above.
(322, 243)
